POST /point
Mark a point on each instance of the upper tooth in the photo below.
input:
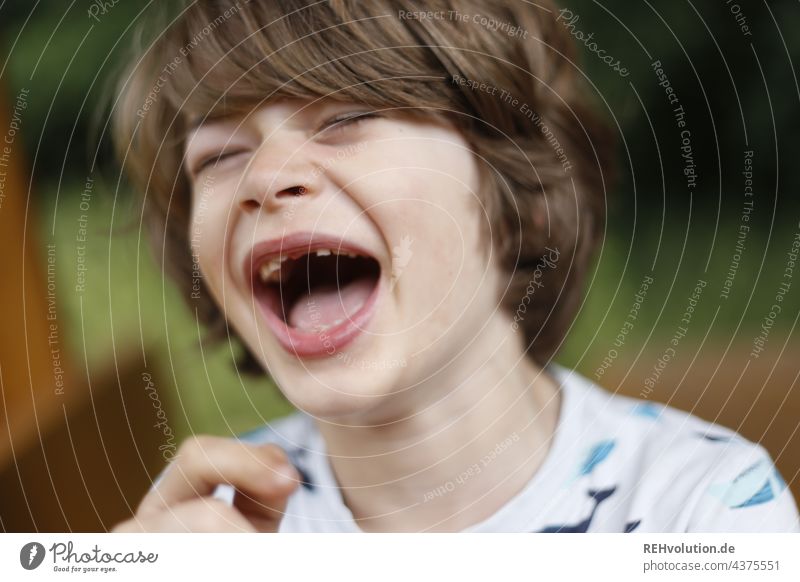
(271, 270)
(264, 271)
(268, 270)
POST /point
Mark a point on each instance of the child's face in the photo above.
(401, 195)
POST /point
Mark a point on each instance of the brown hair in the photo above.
(545, 159)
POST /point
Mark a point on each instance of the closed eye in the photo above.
(340, 122)
(214, 160)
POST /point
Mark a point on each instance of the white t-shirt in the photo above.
(616, 464)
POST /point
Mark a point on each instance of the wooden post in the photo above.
(77, 449)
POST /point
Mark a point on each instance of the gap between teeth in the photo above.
(271, 271)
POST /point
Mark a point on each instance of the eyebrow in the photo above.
(200, 121)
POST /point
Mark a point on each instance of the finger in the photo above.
(264, 513)
(204, 514)
(263, 472)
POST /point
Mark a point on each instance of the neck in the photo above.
(458, 447)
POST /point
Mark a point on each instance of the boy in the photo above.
(394, 210)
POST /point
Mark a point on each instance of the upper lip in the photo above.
(297, 243)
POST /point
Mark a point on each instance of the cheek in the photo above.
(207, 230)
(425, 189)
(426, 205)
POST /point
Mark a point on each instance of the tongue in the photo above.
(328, 304)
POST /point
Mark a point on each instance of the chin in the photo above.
(336, 390)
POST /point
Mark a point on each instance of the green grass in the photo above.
(737, 318)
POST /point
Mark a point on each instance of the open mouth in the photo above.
(316, 298)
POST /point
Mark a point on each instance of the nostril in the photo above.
(254, 204)
(293, 191)
(250, 204)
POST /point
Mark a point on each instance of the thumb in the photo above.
(263, 503)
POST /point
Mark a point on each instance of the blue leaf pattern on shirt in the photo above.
(648, 410)
(761, 496)
(597, 455)
(757, 484)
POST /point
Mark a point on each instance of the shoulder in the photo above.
(644, 427)
(693, 475)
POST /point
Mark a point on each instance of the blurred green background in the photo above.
(739, 91)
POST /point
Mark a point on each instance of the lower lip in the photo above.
(322, 343)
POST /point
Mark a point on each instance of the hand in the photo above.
(181, 501)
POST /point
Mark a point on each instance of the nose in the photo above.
(276, 176)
